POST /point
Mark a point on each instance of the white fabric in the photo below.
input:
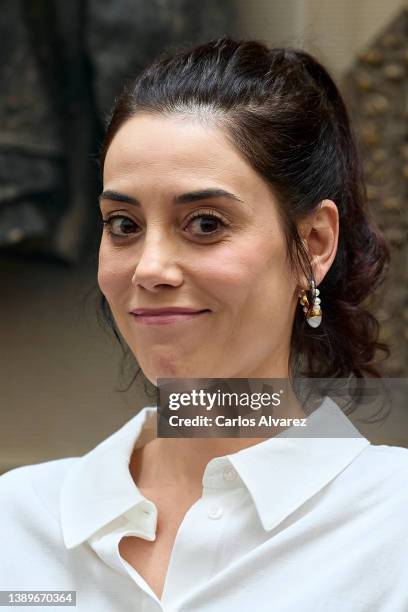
(291, 524)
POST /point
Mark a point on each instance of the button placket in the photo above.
(219, 480)
(215, 512)
(229, 473)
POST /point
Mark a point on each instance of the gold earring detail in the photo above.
(312, 310)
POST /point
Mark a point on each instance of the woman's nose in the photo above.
(157, 263)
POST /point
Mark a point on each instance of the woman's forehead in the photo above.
(163, 156)
(148, 144)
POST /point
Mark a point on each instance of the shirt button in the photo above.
(215, 512)
(229, 473)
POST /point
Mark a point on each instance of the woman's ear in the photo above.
(320, 234)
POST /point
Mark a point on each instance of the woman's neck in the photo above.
(180, 462)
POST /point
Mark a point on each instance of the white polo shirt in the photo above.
(291, 524)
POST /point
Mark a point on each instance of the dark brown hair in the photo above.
(282, 110)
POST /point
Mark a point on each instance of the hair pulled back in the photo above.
(282, 110)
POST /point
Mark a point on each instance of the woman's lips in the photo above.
(166, 319)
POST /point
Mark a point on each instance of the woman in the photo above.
(232, 187)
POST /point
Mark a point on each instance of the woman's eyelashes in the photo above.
(109, 225)
(207, 223)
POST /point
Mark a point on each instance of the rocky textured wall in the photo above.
(376, 90)
(62, 65)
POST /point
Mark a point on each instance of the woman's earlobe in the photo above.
(316, 268)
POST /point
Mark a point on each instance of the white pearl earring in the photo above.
(312, 310)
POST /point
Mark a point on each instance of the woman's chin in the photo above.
(181, 373)
(166, 362)
(169, 371)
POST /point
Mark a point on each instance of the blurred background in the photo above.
(63, 388)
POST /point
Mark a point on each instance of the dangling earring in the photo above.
(312, 311)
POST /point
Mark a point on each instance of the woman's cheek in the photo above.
(234, 268)
(108, 278)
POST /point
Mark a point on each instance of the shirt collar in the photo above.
(99, 488)
(285, 471)
(280, 473)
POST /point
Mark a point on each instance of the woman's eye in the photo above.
(206, 223)
(121, 223)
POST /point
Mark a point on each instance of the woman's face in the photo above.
(232, 263)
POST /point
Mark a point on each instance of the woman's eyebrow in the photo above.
(184, 198)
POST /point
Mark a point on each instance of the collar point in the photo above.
(72, 542)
